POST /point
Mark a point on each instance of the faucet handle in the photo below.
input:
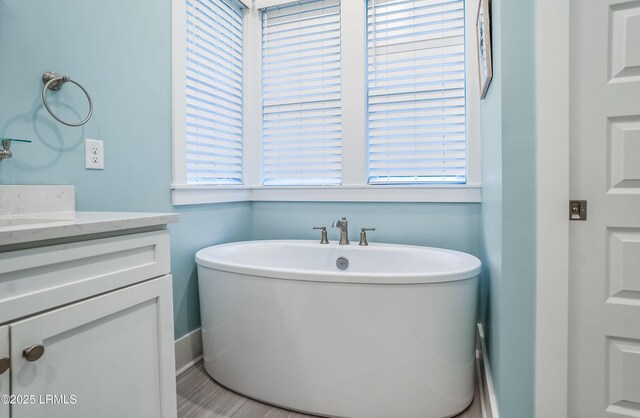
(363, 236)
(323, 238)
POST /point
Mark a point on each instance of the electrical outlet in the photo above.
(93, 154)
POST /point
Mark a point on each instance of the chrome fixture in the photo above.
(5, 152)
(342, 263)
(323, 234)
(33, 353)
(363, 236)
(577, 210)
(344, 231)
(54, 81)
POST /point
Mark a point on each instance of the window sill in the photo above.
(193, 195)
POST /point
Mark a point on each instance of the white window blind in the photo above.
(301, 93)
(416, 84)
(214, 92)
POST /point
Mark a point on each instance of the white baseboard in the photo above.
(488, 402)
(188, 350)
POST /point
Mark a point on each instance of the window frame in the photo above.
(355, 187)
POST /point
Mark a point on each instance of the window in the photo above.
(353, 100)
(213, 94)
(301, 93)
(416, 85)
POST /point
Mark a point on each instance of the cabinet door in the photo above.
(108, 356)
(4, 377)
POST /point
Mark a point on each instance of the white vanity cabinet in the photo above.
(5, 377)
(88, 328)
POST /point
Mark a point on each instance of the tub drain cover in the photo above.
(342, 263)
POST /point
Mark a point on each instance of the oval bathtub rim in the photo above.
(340, 276)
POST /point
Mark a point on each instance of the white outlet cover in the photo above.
(93, 154)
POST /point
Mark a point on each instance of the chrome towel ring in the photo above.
(53, 81)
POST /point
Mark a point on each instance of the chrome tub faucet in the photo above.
(344, 230)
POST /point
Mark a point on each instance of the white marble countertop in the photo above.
(36, 227)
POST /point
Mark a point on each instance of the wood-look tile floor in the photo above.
(199, 396)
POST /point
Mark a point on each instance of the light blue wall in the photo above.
(446, 225)
(518, 214)
(200, 227)
(508, 209)
(120, 51)
(491, 115)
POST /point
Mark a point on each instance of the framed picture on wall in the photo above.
(483, 28)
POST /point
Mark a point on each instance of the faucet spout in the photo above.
(344, 230)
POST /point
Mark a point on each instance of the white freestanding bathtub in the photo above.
(392, 336)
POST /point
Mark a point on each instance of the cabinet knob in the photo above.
(4, 364)
(34, 352)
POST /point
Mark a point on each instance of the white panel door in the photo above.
(604, 298)
(109, 356)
